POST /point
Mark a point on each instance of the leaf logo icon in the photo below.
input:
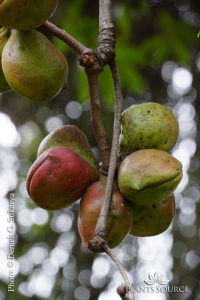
(159, 279)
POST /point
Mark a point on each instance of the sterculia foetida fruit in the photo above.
(119, 219)
(25, 14)
(151, 220)
(148, 126)
(33, 66)
(4, 36)
(148, 176)
(69, 136)
(59, 177)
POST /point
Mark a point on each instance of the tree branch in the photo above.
(106, 48)
(100, 133)
(123, 273)
(65, 37)
(107, 38)
(101, 224)
(106, 51)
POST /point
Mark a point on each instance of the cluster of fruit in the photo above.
(30, 64)
(142, 199)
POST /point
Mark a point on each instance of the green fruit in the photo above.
(119, 219)
(72, 137)
(24, 14)
(148, 126)
(33, 66)
(4, 36)
(59, 177)
(150, 220)
(148, 176)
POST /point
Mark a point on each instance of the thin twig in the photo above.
(65, 37)
(101, 224)
(121, 269)
(95, 111)
(106, 47)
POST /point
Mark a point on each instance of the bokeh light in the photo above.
(8, 133)
(74, 110)
(182, 80)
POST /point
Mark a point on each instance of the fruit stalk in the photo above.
(121, 269)
(99, 130)
(101, 228)
(65, 37)
(106, 49)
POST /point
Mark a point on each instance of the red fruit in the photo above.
(119, 220)
(59, 177)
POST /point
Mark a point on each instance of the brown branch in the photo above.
(106, 51)
(100, 133)
(117, 112)
(106, 47)
(101, 224)
(65, 37)
(123, 273)
(107, 38)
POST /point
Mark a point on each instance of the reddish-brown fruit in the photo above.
(59, 177)
(119, 219)
(150, 220)
(72, 137)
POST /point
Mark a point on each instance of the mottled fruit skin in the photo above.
(148, 126)
(25, 14)
(148, 176)
(33, 66)
(151, 220)
(69, 136)
(119, 220)
(58, 178)
(4, 36)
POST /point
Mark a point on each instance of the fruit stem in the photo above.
(101, 224)
(123, 273)
(65, 37)
(95, 111)
(106, 53)
(106, 45)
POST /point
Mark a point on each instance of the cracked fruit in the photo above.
(119, 220)
(148, 176)
(69, 136)
(59, 177)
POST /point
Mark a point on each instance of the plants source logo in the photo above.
(158, 284)
(159, 279)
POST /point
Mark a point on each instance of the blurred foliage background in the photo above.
(159, 60)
